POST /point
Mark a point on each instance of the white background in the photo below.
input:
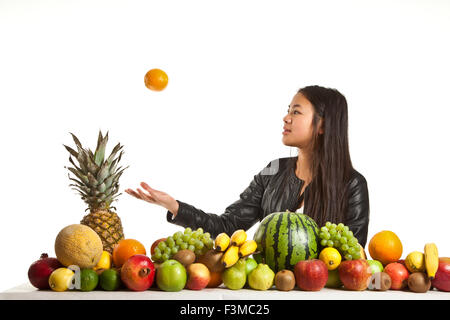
(233, 67)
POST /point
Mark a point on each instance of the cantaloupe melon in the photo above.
(79, 245)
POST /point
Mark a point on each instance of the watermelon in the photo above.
(285, 238)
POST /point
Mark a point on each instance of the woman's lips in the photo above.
(286, 131)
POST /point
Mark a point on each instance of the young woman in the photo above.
(320, 182)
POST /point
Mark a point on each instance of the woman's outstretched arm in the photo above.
(241, 214)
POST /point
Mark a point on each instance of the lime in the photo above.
(110, 280)
(88, 279)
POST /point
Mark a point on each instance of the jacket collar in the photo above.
(291, 170)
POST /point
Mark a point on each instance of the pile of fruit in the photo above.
(289, 249)
(82, 264)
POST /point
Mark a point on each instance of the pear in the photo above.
(261, 278)
(235, 277)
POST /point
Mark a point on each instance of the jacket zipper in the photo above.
(295, 200)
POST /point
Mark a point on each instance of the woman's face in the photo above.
(299, 120)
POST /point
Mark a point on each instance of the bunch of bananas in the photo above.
(235, 247)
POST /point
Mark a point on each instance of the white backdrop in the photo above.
(233, 67)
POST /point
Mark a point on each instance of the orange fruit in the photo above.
(156, 79)
(386, 247)
(125, 249)
(215, 279)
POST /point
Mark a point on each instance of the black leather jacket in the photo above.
(274, 189)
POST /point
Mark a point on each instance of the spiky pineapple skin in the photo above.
(107, 225)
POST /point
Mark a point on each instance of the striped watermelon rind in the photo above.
(285, 238)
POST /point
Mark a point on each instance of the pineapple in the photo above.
(97, 181)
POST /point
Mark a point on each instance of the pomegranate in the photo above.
(399, 275)
(40, 271)
(138, 273)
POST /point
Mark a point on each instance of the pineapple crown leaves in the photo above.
(98, 179)
(100, 150)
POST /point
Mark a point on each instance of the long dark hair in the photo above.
(331, 166)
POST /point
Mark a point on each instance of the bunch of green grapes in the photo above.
(196, 241)
(340, 237)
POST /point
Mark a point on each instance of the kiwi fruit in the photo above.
(212, 259)
(419, 282)
(185, 257)
(380, 281)
(285, 280)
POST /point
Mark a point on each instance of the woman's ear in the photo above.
(321, 126)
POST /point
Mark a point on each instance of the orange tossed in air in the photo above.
(125, 249)
(156, 79)
(386, 247)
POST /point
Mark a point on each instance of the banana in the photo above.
(247, 248)
(431, 259)
(230, 257)
(238, 237)
(222, 242)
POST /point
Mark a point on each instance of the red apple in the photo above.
(40, 271)
(152, 248)
(399, 275)
(198, 276)
(138, 272)
(311, 275)
(441, 280)
(355, 274)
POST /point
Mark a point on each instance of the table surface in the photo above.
(27, 292)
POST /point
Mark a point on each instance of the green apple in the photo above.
(171, 276)
(375, 266)
(333, 279)
(250, 264)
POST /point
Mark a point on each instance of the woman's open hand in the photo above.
(155, 196)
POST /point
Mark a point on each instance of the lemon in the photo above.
(104, 262)
(331, 257)
(415, 262)
(61, 279)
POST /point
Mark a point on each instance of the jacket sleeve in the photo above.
(357, 218)
(241, 214)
